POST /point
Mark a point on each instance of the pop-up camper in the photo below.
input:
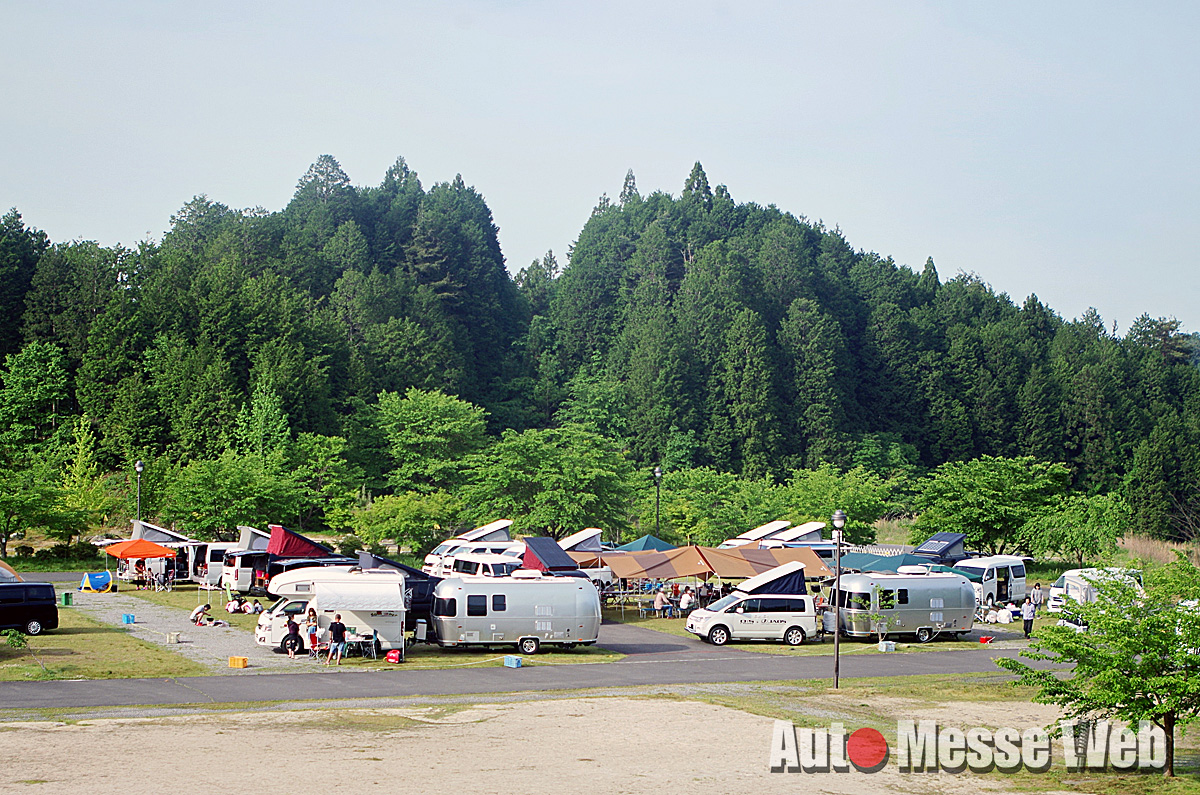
(774, 605)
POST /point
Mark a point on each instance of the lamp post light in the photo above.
(839, 521)
(138, 467)
(657, 495)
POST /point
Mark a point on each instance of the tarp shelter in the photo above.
(99, 582)
(8, 573)
(361, 596)
(944, 548)
(138, 548)
(973, 576)
(787, 578)
(586, 540)
(287, 544)
(544, 554)
(894, 562)
(859, 561)
(692, 561)
(647, 542)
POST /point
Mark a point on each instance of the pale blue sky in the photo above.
(1048, 147)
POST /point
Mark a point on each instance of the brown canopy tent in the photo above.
(737, 563)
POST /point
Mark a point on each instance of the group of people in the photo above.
(312, 628)
(239, 605)
(666, 606)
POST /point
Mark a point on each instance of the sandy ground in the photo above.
(613, 745)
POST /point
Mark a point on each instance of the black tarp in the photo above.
(544, 554)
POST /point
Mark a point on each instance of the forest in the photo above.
(363, 362)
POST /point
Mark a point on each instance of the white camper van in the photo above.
(775, 605)
(1080, 585)
(492, 537)
(523, 611)
(913, 601)
(1002, 578)
(483, 565)
(371, 601)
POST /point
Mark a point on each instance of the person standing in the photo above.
(1036, 596)
(1027, 614)
(337, 639)
(292, 641)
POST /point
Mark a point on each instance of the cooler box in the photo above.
(239, 662)
(512, 661)
(127, 618)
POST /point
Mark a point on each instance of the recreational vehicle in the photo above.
(1080, 585)
(913, 601)
(371, 603)
(752, 537)
(484, 565)
(1002, 578)
(526, 612)
(774, 605)
(251, 572)
(492, 537)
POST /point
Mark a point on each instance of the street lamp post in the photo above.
(839, 521)
(139, 466)
(657, 495)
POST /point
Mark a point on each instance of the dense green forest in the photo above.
(363, 361)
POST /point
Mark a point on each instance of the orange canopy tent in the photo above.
(138, 548)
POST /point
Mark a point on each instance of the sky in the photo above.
(1049, 148)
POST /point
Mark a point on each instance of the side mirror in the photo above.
(741, 610)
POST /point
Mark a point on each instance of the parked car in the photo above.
(28, 606)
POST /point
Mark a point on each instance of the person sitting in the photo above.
(662, 605)
(686, 600)
(258, 608)
(234, 605)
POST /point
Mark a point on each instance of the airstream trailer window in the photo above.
(445, 607)
(722, 603)
(887, 600)
(902, 596)
(499, 603)
(477, 605)
(855, 600)
(1018, 570)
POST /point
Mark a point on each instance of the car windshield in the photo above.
(723, 603)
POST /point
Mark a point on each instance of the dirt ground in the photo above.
(616, 745)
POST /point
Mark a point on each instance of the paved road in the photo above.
(654, 659)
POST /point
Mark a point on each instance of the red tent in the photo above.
(138, 548)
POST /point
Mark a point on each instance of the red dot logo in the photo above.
(867, 750)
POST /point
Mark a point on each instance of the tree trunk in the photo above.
(1169, 730)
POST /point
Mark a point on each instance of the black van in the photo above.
(28, 606)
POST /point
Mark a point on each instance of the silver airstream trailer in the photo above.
(525, 610)
(913, 601)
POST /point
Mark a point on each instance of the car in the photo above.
(28, 606)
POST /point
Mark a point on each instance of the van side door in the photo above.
(745, 619)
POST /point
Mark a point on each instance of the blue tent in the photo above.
(645, 543)
(100, 582)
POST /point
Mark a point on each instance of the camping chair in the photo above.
(316, 648)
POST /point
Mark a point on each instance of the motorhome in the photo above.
(250, 572)
(774, 605)
(913, 601)
(1002, 578)
(523, 611)
(1080, 585)
(371, 603)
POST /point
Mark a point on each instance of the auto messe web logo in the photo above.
(926, 747)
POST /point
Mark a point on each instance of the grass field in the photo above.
(82, 648)
(187, 596)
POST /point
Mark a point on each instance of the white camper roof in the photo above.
(800, 531)
(159, 535)
(252, 539)
(302, 582)
(374, 595)
(493, 531)
(586, 540)
(764, 530)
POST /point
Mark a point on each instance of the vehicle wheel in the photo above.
(924, 635)
(291, 643)
(528, 645)
(33, 628)
(794, 636)
(718, 636)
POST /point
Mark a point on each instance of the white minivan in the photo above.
(1002, 578)
(772, 606)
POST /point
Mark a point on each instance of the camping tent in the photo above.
(138, 548)
(8, 574)
(647, 542)
(98, 582)
(786, 578)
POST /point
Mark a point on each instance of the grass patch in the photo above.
(430, 656)
(187, 596)
(82, 648)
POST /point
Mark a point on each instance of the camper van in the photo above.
(250, 572)
(913, 601)
(492, 537)
(774, 605)
(206, 561)
(444, 566)
(752, 537)
(370, 602)
(471, 564)
(1002, 578)
(526, 611)
(1080, 585)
